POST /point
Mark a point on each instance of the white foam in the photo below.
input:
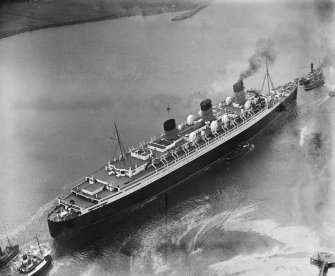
(190, 220)
(159, 265)
(302, 136)
(290, 257)
(264, 264)
(329, 222)
(58, 264)
(196, 251)
(89, 272)
(280, 260)
(221, 220)
(40, 213)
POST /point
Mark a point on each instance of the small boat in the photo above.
(239, 150)
(32, 264)
(313, 79)
(331, 93)
(323, 261)
(8, 254)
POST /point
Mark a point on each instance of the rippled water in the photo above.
(61, 89)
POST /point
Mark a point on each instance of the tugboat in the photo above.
(242, 148)
(313, 79)
(33, 264)
(8, 254)
(323, 261)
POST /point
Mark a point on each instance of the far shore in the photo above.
(23, 16)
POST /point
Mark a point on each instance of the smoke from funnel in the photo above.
(328, 59)
(265, 49)
(298, 36)
(324, 10)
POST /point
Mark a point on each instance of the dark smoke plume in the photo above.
(265, 50)
(324, 10)
(296, 37)
(328, 59)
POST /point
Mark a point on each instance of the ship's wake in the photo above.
(233, 241)
(314, 104)
(290, 257)
(216, 237)
(35, 225)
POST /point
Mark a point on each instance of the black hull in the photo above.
(120, 207)
(42, 270)
(316, 85)
(236, 154)
(9, 257)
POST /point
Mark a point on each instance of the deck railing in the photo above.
(61, 201)
(199, 148)
(225, 135)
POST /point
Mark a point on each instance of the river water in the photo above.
(62, 89)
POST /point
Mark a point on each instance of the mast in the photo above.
(39, 246)
(267, 72)
(267, 78)
(8, 241)
(122, 150)
(118, 139)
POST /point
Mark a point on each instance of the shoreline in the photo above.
(60, 24)
(21, 17)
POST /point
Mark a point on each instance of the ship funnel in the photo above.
(207, 110)
(312, 70)
(239, 95)
(170, 129)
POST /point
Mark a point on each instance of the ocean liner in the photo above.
(140, 174)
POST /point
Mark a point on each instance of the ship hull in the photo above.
(14, 251)
(316, 85)
(115, 210)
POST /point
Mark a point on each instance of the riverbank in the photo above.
(23, 16)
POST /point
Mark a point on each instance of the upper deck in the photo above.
(124, 172)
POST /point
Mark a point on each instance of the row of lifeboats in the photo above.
(193, 139)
